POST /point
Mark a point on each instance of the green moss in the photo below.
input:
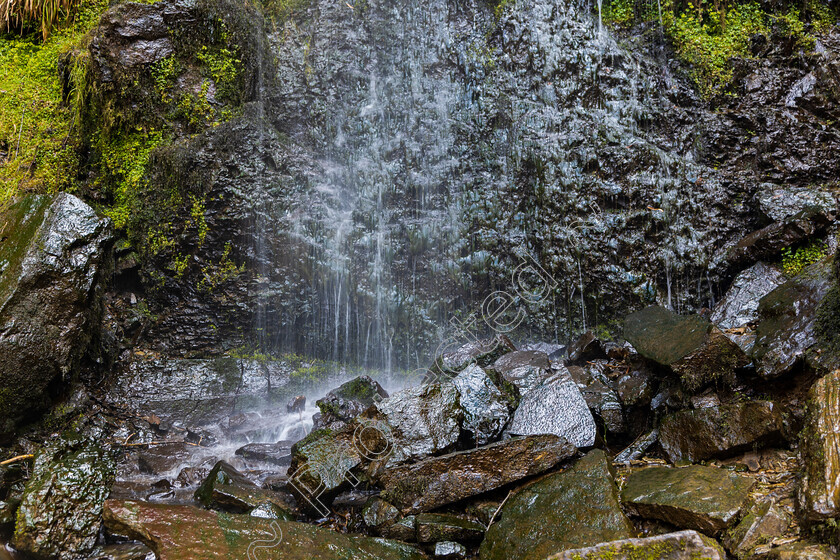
(794, 261)
(619, 12)
(708, 41)
(706, 36)
(37, 123)
(289, 10)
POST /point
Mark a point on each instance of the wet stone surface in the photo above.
(705, 499)
(572, 509)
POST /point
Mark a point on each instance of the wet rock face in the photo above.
(485, 407)
(61, 511)
(556, 406)
(439, 481)
(201, 391)
(183, 532)
(787, 320)
(739, 306)
(343, 404)
(718, 431)
(819, 493)
(691, 346)
(53, 250)
(705, 499)
(572, 509)
(684, 545)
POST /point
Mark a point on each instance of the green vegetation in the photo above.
(287, 10)
(709, 41)
(708, 35)
(794, 261)
(41, 15)
(38, 150)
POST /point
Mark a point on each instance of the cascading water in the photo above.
(432, 147)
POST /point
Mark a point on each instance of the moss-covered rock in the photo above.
(684, 545)
(691, 346)
(61, 511)
(228, 489)
(573, 509)
(705, 499)
(189, 533)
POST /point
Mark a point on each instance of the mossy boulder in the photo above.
(690, 345)
(53, 253)
(189, 533)
(228, 489)
(346, 402)
(61, 511)
(572, 509)
(684, 545)
(705, 499)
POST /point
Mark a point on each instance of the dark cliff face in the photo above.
(382, 166)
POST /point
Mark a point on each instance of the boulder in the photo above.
(683, 545)
(691, 346)
(279, 453)
(739, 306)
(53, 252)
(61, 510)
(525, 369)
(434, 527)
(718, 431)
(439, 481)
(819, 492)
(346, 402)
(759, 526)
(787, 321)
(556, 406)
(321, 465)
(705, 499)
(423, 421)
(195, 392)
(572, 509)
(228, 489)
(485, 407)
(183, 532)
